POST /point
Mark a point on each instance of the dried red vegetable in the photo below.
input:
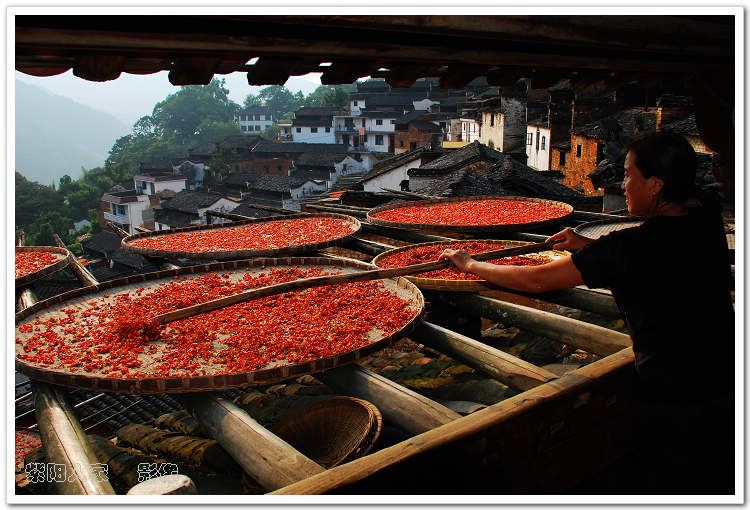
(254, 236)
(292, 327)
(478, 212)
(28, 262)
(26, 441)
(430, 253)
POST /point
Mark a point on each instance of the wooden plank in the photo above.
(83, 274)
(589, 337)
(462, 428)
(322, 208)
(271, 461)
(117, 230)
(409, 194)
(66, 444)
(492, 362)
(368, 247)
(399, 405)
(401, 234)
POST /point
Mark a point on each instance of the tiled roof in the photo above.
(631, 121)
(205, 149)
(380, 114)
(241, 141)
(238, 179)
(390, 101)
(102, 243)
(685, 126)
(319, 158)
(506, 177)
(266, 146)
(252, 212)
(174, 218)
(393, 162)
(310, 110)
(190, 201)
(457, 159)
(255, 109)
(50, 287)
(410, 116)
(276, 183)
(312, 174)
(425, 125)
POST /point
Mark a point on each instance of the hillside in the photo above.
(57, 136)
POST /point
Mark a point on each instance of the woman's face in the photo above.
(640, 192)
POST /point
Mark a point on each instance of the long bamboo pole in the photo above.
(492, 362)
(83, 274)
(267, 458)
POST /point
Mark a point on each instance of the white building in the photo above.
(538, 145)
(125, 209)
(189, 208)
(151, 184)
(255, 119)
(314, 125)
(470, 130)
(391, 172)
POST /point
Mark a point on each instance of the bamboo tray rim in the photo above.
(452, 285)
(437, 227)
(625, 219)
(286, 251)
(46, 270)
(189, 384)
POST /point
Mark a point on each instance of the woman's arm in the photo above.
(559, 274)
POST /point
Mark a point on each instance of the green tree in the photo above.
(41, 231)
(278, 99)
(214, 131)
(220, 164)
(271, 132)
(34, 199)
(251, 100)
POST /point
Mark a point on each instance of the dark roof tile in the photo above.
(190, 201)
(174, 218)
(266, 146)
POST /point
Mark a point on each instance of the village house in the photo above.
(502, 116)
(189, 208)
(471, 158)
(314, 125)
(254, 119)
(416, 133)
(155, 183)
(282, 190)
(392, 172)
(548, 133)
(124, 209)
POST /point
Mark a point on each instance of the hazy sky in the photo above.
(131, 96)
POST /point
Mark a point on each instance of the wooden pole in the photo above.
(597, 301)
(492, 362)
(272, 462)
(404, 235)
(322, 208)
(411, 194)
(66, 444)
(592, 216)
(368, 247)
(399, 405)
(589, 337)
(472, 425)
(83, 274)
(117, 230)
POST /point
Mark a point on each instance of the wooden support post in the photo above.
(399, 405)
(141, 229)
(401, 234)
(117, 230)
(589, 337)
(272, 462)
(492, 362)
(83, 274)
(332, 256)
(66, 444)
(468, 426)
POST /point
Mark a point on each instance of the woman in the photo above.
(671, 279)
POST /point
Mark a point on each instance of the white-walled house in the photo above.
(314, 125)
(189, 208)
(125, 209)
(307, 188)
(492, 130)
(538, 148)
(151, 184)
(470, 129)
(391, 172)
(255, 119)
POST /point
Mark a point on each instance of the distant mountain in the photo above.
(57, 136)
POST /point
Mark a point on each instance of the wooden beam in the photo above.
(410, 194)
(323, 208)
(508, 369)
(271, 461)
(592, 216)
(117, 230)
(66, 444)
(402, 235)
(582, 335)
(368, 247)
(83, 274)
(598, 301)
(399, 405)
(468, 426)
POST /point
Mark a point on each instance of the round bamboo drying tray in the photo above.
(65, 259)
(459, 285)
(332, 431)
(286, 251)
(599, 228)
(145, 385)
(469, 229)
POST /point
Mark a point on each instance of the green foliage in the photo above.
(41, 231)
(336, 96)
(33, 200)
(271, 132)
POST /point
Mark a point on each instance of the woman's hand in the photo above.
(568, 240)
(460, 258)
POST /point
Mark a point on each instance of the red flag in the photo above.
(361, 131)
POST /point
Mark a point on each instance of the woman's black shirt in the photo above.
(671, 279)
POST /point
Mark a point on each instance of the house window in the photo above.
(364, 138)
(299, 130)
(537, 140)
(393, 121)
(412, 146)
(529, 138)
(244, 128)
(363, 122)
(379, 122)
(401, 143)
(257, 117)
(313, 130)
(578, 150)
(562, 159)
(492, 120)
(544, 139)
(355, 103)
(257, 128)
(328, 130)
(378, 139)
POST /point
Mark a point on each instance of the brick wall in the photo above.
(404, 139)
(577, 168)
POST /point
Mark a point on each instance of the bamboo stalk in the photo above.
(495, 363)
(83, 274)
(409, 410)
(267, 458)
(401, 234)
(305, 283)
(589, 337)
(66, 443)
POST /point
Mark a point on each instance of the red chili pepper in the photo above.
(28, 262)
